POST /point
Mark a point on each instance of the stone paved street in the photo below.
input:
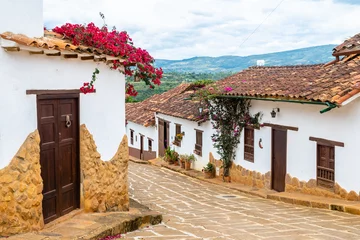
(193, 209)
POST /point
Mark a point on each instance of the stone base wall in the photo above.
(310, 187)
(259, 180)
(21, 190)
(243, 175)
(104, 184)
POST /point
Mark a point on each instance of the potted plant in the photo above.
(209, 170)
(171, 156)
(175, 158)
(178, 138)
(191, 158)
(183, 158)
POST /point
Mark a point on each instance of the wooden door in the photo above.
(166, 135)
(142, 147)
(278, 173)
(59, 155)
(161, 138)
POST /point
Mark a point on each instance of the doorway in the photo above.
(278, 166)
(58, 126)
(163, 136)
(142, 147)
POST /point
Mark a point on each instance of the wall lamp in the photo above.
(274, 111)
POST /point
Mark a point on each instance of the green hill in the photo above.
(311, 55)
(215, 68)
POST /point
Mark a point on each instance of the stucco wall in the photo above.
(22, 16)
(189, 140)
(148, 132)
(340, 124)
(102, 112)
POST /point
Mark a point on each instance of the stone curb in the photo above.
(139, 161)
(124, 226)
(325, 204)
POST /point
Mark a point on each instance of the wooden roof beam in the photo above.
(11, 49)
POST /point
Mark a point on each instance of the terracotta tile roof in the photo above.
(142, 113)
(332, 83)
(177, 106)
(54, 44)
(349, 46)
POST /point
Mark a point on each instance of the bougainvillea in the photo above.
(228, 117)
(137, 62)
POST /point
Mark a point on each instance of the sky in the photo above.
(179, 29)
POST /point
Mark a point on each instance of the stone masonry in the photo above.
(21, 190)
(104, 184)
(259, 180)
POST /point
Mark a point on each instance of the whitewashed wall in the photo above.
(22, 16)
(148, 132)
(103, 112)
(340, 124)
(189, 140)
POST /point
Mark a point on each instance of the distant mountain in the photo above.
(311, 55)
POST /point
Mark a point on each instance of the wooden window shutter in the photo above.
(132, 137)
(150, 145)
(178, 129)
(325, 166)
(198, 143)
(249, 144)
(177, 142)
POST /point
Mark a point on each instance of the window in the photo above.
(249, 144)
(325, 158)
(198, 144)
(131, 137)
(150, 145)
(325, 166)
(177, 140)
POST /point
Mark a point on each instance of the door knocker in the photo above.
(68, 122)
(260, 143)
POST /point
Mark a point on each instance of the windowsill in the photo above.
(248, 160)
(198, 153)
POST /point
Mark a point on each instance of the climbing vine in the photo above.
(137, 62)
(229, 116)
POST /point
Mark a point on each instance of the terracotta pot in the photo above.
(209, 174)
(182, 164)
(187, 165)
(176, 163)
(227, 179)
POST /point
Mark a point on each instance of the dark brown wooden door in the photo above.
(278, 173)
(142, 147)
(161, 138)
(58, 128)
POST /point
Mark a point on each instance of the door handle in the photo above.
(67, 121)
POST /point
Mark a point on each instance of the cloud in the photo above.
(187, 28)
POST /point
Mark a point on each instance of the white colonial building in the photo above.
(41, 104)
(308, 142)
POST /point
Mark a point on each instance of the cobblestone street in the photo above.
(193, 209)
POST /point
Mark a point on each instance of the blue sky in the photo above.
(173, 29)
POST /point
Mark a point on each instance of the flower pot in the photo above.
(227, 179)
(182, 164)
(209, 174)
(176, 163)
(187, 165)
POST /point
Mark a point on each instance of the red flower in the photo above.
(117, 44)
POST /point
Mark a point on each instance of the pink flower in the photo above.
(228, 89)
